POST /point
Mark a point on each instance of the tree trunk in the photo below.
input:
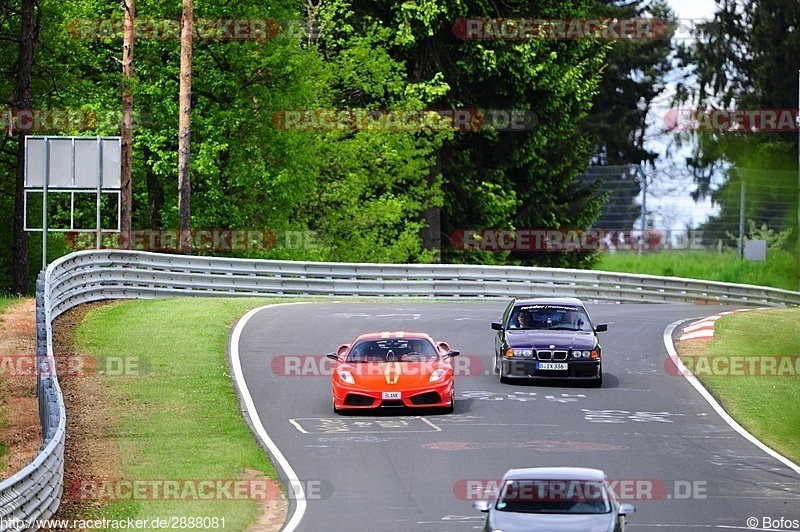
(22, 100)
(432, 216)
(127, 122)
(184, 126)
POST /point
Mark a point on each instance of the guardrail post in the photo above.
(41, 352)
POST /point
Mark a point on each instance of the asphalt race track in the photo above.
(673, 456)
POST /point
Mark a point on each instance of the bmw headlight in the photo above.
(437, 375)
(523, 352)
(347, 377)
(581, 354)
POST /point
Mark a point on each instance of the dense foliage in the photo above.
(746, 59)
(361, 194)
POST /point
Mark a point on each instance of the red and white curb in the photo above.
(704, 328)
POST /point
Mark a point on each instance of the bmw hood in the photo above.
(543, 339)
(514, 521)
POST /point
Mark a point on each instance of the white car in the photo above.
(555, 499)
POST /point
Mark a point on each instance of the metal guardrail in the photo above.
(35, 491)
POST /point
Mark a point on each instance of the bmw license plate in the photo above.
(559, 366)
(391, 395)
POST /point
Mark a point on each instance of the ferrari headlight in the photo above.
(437, 375)
(523, 352)
(347, 377)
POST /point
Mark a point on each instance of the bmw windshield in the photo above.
(552, 317)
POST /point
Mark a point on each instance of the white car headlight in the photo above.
(347, 377)
(437, 375)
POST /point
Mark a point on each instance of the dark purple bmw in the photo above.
(548, 338)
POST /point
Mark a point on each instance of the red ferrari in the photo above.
(393, 369)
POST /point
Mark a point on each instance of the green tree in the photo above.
(634, 76)
(521, 179)
(745, 57)
(19, 33)
(367, 194)
(372, 186)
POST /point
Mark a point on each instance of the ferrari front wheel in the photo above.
(450, 409)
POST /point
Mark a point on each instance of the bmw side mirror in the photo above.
(497, 326)
(601, 328)
(626, 509)
(484, 506)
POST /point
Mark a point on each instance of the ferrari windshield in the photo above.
(554, 317)
(554, 497)
(393, 350)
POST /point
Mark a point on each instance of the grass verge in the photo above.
(15, 394)
(779, 270)
(172, 409)
(757, 399)
(6, 302)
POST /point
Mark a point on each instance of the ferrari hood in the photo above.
(391, 374)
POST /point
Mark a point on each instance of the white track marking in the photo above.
(673, 353)
(295, 486)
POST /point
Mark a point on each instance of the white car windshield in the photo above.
(554, 497)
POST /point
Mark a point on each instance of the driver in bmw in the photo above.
(525, 320)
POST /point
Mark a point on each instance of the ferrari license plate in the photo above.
(391, 395)
(559, 366)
